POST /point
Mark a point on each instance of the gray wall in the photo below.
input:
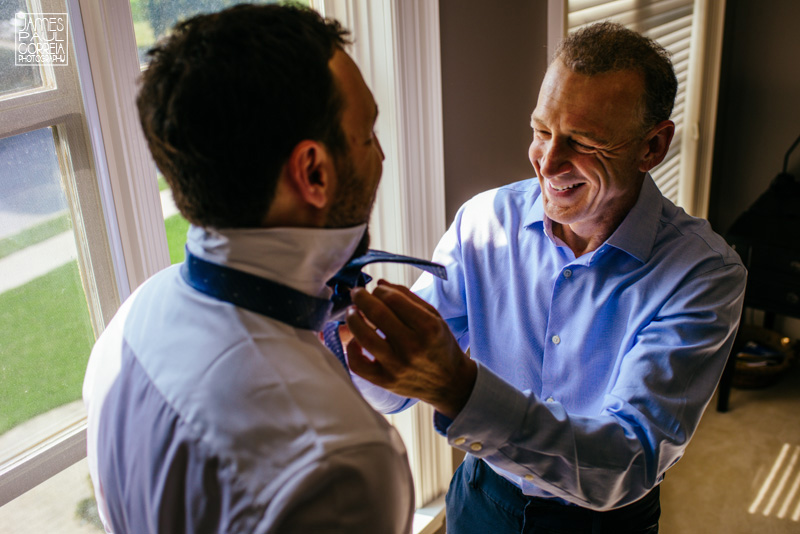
(494, 57)
(759, 111)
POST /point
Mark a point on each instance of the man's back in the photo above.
(205, 417)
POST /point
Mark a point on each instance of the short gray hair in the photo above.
(609, 47)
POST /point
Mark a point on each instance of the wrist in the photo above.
(460, 389)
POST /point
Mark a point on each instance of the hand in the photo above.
(417, 356)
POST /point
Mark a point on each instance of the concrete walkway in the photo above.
(32, 262)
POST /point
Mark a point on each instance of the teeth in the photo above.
(573, 186)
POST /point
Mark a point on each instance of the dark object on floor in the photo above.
(762, 356)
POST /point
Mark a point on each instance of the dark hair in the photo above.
(226, 98)
(607, 47)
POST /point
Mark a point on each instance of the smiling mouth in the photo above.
(565, 188)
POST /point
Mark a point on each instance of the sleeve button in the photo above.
(476, 446)
(460, 441)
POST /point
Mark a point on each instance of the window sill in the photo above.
(429, 519)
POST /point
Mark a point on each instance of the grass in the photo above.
(45, 340)
(45, 330)
(176, 227)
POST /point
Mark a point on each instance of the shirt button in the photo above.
(550, 399)
(460, 441)
(476, 446)
(556, 339)
(567, 273)
(529, 478)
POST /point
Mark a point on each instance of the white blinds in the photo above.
(669, 22)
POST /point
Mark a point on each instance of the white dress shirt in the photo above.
(206, 417)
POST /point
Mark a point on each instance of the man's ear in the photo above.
(657, 141)
(311, 171)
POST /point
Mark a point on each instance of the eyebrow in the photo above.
(580, 133)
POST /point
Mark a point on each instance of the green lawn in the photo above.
(46, 334)
(176, 227)
(45, 340)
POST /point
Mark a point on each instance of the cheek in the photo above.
(534, 152)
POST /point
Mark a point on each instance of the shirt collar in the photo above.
(637, 232)
(301, 258)
(536, 212)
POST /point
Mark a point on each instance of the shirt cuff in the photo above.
(494, 411)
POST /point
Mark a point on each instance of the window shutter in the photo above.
(669, 22)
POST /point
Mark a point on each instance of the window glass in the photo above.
(64, 504)
(45, 328)
(152, 19)
(14, 78)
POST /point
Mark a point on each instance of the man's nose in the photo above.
(554, 158)
(380, 148)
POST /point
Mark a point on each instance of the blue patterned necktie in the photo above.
(350, 276)
(288, 305)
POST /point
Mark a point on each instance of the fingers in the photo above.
(411, 295)
(365, 367)
(395, 310)
(378, 309)
(366, 335)
(344, 334)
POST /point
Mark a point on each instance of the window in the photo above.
(691, 30)
(152, 19)
(79, 190)
(59, 285)
(396, 46)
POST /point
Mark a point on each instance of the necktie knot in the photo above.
(350, 276)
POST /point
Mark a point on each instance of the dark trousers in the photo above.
(482, 502)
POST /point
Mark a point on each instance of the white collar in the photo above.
(301, 258)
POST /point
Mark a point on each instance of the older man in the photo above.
(598, 315)
(213, 407)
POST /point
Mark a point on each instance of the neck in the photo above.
(301, 258)
(579, 244)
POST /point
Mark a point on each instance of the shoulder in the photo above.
(693, 238)
(516, 195)
(500, 208)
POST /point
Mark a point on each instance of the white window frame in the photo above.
(397, 47)
(702, 90)
(69, 106)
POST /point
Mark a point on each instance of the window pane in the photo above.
(64, 504)
(45, 327)
(14, 78)
(153, 18)
(174, 224)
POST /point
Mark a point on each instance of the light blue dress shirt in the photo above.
(593, 371)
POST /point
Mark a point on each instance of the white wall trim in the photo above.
(697, 149)
(397, 47)
(28, 470)
(556, 25)
(111, 47)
